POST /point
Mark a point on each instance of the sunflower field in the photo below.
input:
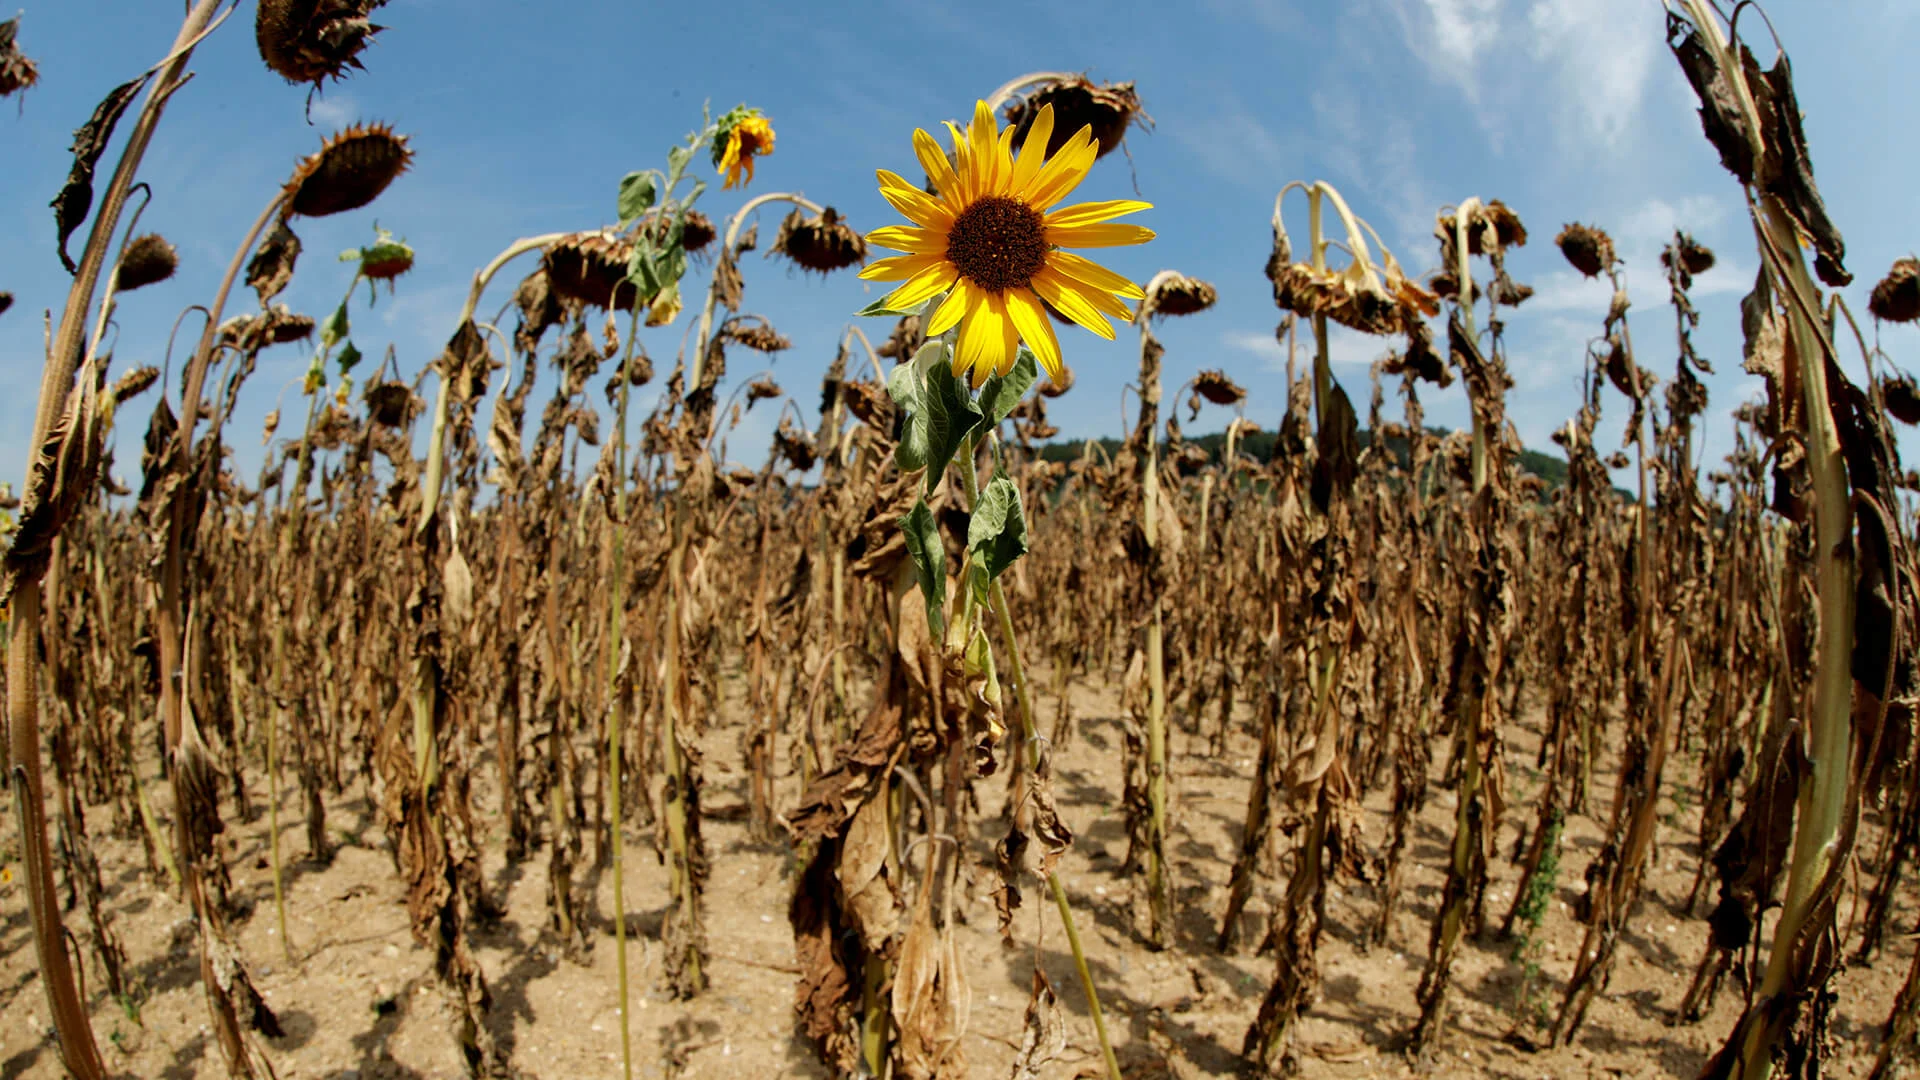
(474, 735)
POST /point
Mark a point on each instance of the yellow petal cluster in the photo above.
(991, 240)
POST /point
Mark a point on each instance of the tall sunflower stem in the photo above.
(616, 633)
(997, 598)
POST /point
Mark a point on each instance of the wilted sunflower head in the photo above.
(1171, 293)
(1694, 256)
(742, 135)
(350, 170)
(761, 389)
(590, 269)
(16, 71)
(1586, 248)
(310, 41)
(1077, 102)
(1057, 383)
(819, 242)
(990, 239)
(1216, 387)
(148, 260)
(1897, 297)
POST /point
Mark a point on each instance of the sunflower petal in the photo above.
(922, 286)
(916, 205)
(1036, 329)
(938, 168)
(1064, 295)
(1064, 171)
(1103, 234)
(962, 165)
(1092, 273)
(1033, 152)
(1003, 162)
(1087, 213)
(982, 135)
(988, 340)
(898, 267)
(952, 308)
(908, 238)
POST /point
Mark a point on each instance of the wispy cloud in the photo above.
(1345, 348)
(1602, 57)
(336, 111)
(1234, 144)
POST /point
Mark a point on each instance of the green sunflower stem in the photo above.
(1016, 671)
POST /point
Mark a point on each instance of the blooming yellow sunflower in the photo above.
(991, 237)
(750, 137)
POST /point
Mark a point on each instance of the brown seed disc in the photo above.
(1216, 387)
(822, 244)
(1182, 295)
(310, 41)
(1589, 250)
(590, 269)
(148, 260)
(1897, 297)
(350, 170)
(1078, 102)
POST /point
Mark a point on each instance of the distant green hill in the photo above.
(1259, 446)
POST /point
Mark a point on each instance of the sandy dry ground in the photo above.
(359, 1001)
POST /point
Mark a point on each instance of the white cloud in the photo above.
(1345, 348)
(1604, 54)
(1451, 36)
(1592, 60)
(1375, 155)
(334, 112)
(1233, 143)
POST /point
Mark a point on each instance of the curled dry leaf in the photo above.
(75, 199)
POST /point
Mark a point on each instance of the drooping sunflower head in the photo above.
(990, 238)
(742, 135)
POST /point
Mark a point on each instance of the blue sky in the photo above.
(524, 117)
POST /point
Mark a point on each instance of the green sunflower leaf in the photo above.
(1002, 393)
(997, 532)
(677, 159)
(348, 357)
(643, 267)
(334, 330)
(940, 412)
(922, 531)
(637, 192)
